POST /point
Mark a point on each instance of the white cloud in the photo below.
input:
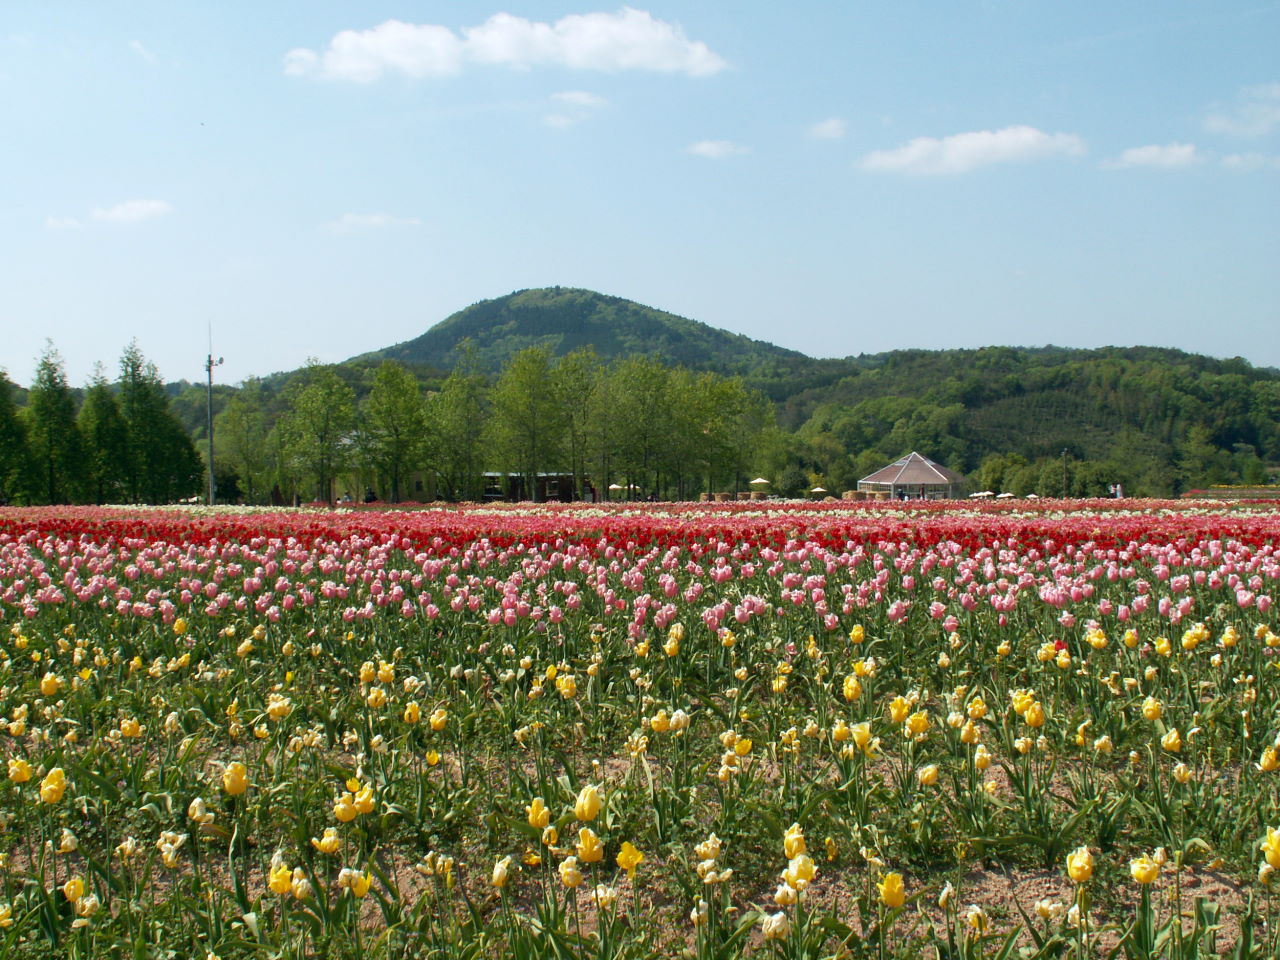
(62, 223)
(579, 98)
(137, 47)
(1168, 156)
(1255, 113)
(963, 152)
(715, 149)
(576, 106)
(132, 211)
(830, 129)
(1250, 161)
(626, 40)
(349, 222)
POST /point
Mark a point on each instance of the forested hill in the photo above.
(565, 319)
(1157, 420)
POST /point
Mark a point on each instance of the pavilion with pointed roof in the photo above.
(914, 477)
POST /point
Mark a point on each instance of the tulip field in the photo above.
(1023, 729)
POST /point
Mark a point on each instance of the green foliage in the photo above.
(160, 463)
(241, 441)
(14, 455)
(460, 412)
(106, 438)
(529, 421)
(316, 432)
(57, 452)
(394, 425)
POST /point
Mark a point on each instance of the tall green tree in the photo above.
(528, 421)
(460, 413)
(162, 464)
(395, 425)
(14, 456)
(577, 377)
(644, 421)
(106, 440)
(57, 451)
(319, 424)
(240, 440)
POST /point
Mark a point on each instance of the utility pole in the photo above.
(1064, 473)
(209, 364)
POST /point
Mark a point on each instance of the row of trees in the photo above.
(660, 431)
(115, 442)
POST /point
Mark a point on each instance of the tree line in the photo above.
(112, 442)
(328, 432)
(1022, 421)
(654, 430)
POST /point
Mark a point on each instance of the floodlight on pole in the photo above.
(209, 364)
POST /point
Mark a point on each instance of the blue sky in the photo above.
(323, 178)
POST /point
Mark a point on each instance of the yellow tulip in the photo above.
(280, 880)
(893, 893)
(570, 875)
(1080, 865)
(1152, 708)
(898, 709)
(629, 857)
(363, 800)
(793, 841)
(73, 889)
(344, 808)
(328, 843)
(53, 786)
(1144, 869)
(19, 770)
(917, 724)
(587, 806)
(589, 847)
(1271, 847)
(235, 779)
(501, 873)
(538, 814)
(360, 884)
(800, 872)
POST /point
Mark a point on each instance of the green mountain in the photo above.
(565, 318)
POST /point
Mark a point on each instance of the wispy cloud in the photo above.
(137, 47)
(132, 211)
(715, 149)
(350, 222)
(575, 106)
(609, 42)
(1168, 156)
(579, 98)
(829, 129)
(962, 152)
(1255, 113)
(1246, 162)
(62, 223)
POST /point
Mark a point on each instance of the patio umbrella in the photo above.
(758, 480)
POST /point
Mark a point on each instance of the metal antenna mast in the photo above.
(209, 364)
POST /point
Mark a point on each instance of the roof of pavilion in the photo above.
(914, 469)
